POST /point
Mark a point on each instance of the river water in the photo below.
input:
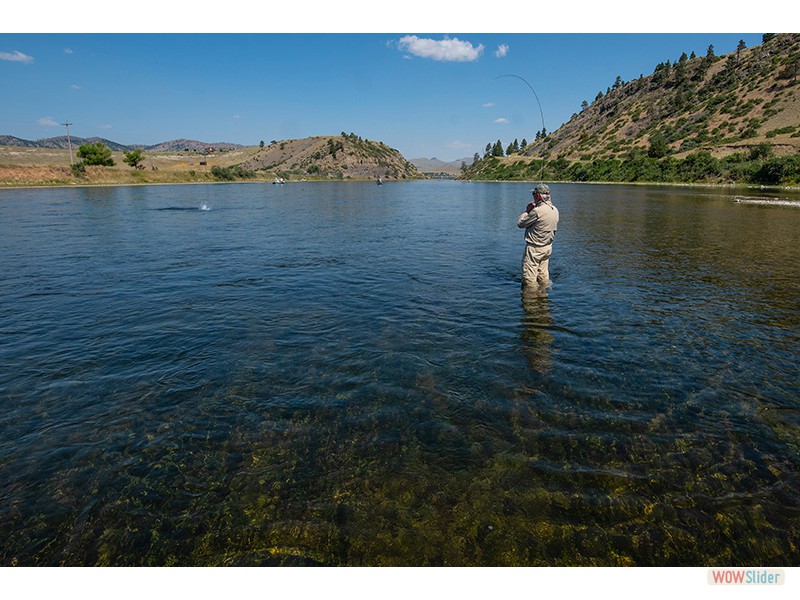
(348, 374)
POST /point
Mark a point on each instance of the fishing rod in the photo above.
(541, 112)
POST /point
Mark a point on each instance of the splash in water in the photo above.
(204, 206)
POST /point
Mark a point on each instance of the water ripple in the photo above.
(374, 388)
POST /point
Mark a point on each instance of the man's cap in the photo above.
(542, 189)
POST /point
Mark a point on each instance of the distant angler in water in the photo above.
(540, 221)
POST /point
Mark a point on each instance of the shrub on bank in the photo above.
(231, 173)
(759, 167)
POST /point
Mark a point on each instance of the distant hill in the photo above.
(62, 143)
(733, 109)
(10, 140)
(434, 165)
(332, 157)
(183, 145)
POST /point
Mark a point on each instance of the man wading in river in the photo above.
(540, 221)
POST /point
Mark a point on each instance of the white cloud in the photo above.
(237, 116)
(488, 104)
(67, 50)
(501, 120)
(75, 86)
(16, 56)
(501, 51)
(47, 122)
(105, 126)
(447, 49)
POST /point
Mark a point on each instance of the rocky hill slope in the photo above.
(720, 104)
(347, 156)
(727, 107)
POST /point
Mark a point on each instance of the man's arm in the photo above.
(527, 219)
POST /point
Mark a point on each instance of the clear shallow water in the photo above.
(347, 374)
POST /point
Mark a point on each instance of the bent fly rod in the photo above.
(541, 112)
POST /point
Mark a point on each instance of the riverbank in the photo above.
(694, 185)
(52, 176)
(58, 176)
(36, 176)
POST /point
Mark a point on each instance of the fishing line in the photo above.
(541, 112)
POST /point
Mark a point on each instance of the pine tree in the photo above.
(710, 54)
(96, 154)
(739, 49)
(134, 159)
(658, 146)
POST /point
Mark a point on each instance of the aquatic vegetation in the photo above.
(344, 485)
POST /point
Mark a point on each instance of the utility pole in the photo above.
(69, 143)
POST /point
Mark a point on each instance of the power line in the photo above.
(69, 143)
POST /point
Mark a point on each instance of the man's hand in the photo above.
(529, 207)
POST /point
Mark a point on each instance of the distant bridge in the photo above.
(438, 175)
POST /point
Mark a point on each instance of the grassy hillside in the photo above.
(327, 157)
(734, 118)
(331, 157)
(24, 166)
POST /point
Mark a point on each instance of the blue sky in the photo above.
(426, 94)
